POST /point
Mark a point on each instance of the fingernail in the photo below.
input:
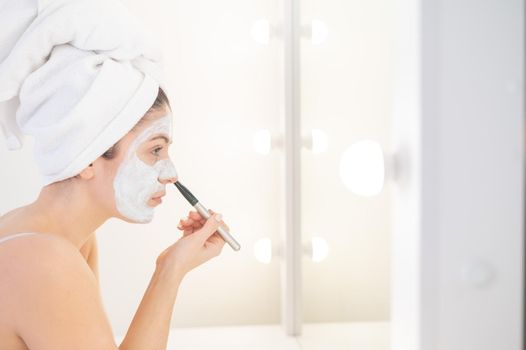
(218, 217)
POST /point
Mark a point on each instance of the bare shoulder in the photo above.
(41, 249)
(47, 273)
(38, 262)
(39, 253)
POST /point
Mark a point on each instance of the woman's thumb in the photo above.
(210, 226)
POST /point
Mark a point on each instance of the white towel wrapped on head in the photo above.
(80, 74)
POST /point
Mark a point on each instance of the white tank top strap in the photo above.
(16, 235)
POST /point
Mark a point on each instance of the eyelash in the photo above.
(156, 151)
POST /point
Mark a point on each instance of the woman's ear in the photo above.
(87, 173)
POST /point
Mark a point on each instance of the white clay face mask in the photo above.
(136, 182)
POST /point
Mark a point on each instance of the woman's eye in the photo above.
(156, 151)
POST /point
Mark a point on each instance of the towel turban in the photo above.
(76, 75)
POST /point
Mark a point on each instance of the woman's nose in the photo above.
(169, 180)
(167, 172)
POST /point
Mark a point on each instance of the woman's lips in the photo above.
(158, 194)
(158, 199)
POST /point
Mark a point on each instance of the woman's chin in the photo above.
(144, 220)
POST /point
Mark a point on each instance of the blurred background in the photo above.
(410, 199)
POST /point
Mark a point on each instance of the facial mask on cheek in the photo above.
(136, 181)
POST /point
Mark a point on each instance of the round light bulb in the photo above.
(320, 249)
(362, 168)
(261, 31)
(261, 141)
(263, 250)
(319, 32)
(319, 141)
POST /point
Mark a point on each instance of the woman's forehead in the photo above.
(164, 137)
(161, 125)
(150, 129)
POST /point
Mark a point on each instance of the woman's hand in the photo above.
(200, 243)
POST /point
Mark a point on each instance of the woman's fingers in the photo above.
(189, 225)
(194, 215)
(225, 226)
(195, 221)
(183, 223)
(217, 240)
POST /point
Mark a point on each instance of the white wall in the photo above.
(459, 126)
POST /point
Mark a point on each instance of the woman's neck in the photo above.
(65, 212)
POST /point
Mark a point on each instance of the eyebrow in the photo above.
(161, 137)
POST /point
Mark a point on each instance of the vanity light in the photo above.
(320, 249)
(316, 141)
(263, 250)
(319, 141)
(260, 31)
(316, 32)
(317, 249)
(319, 32)
(261, 141)
(264, 141)
(362, 168)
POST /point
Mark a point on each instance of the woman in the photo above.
(49, 297)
